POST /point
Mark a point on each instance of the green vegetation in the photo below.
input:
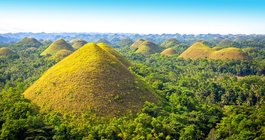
(199, 98)
(171, 42)
(57, 46)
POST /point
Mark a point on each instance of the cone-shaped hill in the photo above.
(199, 50)
(171, 42)
(125, 42)
(91, 78)
(168, 52)
(56, 46)
(230, 53)
(28, 42)
(196, 51)
(145, 47)
(6, 51)
(103, 40)
(78, 43)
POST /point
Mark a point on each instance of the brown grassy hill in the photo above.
(61, 54)
(76, 44)
(229, 54)
(5, 51)
(171, 42)
(168, 52)
(28, 42)
(56, 46)
(137, 44)
(200, 51)
(196, 51)
(145, 47)
(91, 78)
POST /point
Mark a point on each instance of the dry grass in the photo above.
(145, 47)
(29, 42)
(91, 78)
(200, 51)
(76, 44)
(56, 46)
(168, 52)
(5, 51)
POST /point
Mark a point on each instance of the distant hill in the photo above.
(6, 51)
(124, 42)
(57, 46)
(168, 52)
(78, 43)
(92, 78)
(199, 50)
(145, 47)
(196, 51)
(227, 43)
(28, 42)
(103, 40)
(229, 54)
(171, 42)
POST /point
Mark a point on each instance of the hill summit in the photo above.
(171, 42)
(28, 42)
(168, 52)
(199, 50)
(57, 47)
(95, 78)
(78, 43)
(145, 47)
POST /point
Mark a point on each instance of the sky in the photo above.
(134, 16)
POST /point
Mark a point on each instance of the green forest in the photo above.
(199, 99)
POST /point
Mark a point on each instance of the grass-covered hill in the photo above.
(145, 47)
(200, 50)
(227, 43)
(56, 46)
(28, 42)
(168, 51)
(124, 42)
(171, 42)
(103, 40)
(93, 78)
(6, 51)
(230, 53)
(76, 44)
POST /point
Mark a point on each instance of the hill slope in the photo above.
(56, 46)
(29, 42)
(91, 78)
(5, 51)
(168, 51)
(78, 44)
(145, 47)
(199, 51)
(171, 42)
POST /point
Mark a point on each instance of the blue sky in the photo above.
(134, 16)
